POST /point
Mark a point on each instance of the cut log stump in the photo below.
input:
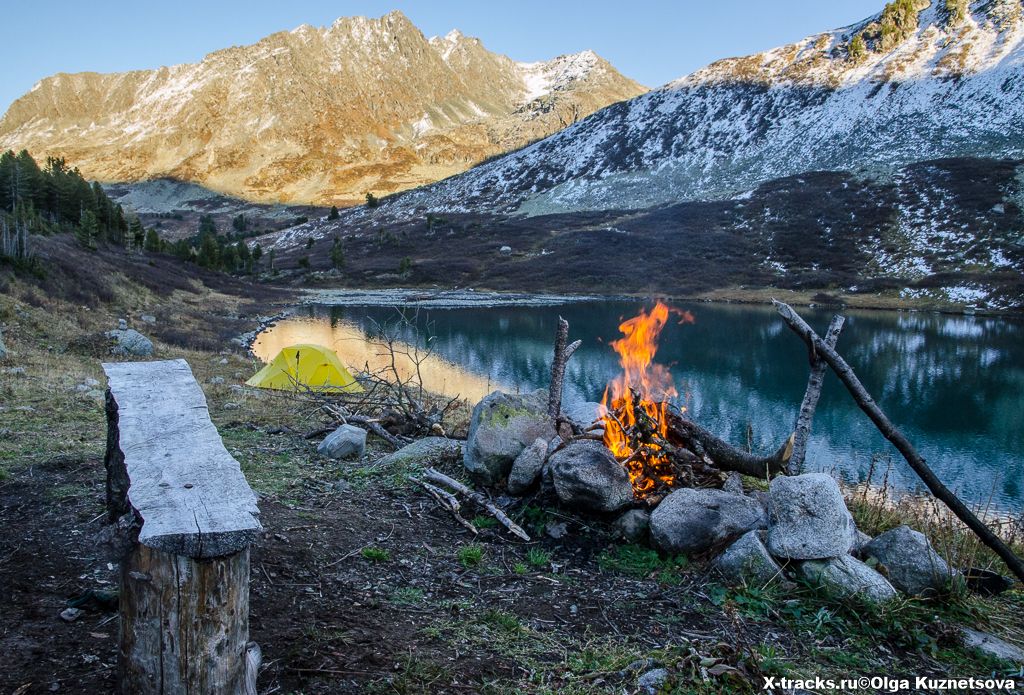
(184, 599)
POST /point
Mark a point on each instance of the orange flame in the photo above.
(636, 402)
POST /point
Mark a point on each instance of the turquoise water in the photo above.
(953, 384)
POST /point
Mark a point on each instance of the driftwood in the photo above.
(184, 595)
(802, 431)
(885, 426)
(725, 456)
(440, 478)
(562, 354)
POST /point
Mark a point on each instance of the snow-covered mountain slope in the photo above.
(314, 115)
(918, 81)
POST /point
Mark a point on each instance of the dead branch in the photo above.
(885, 426)
(449, 502)
(440, 478)
(724, 455)
(562, 354)
(811, 395)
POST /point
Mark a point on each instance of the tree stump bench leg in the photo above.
(184, 623)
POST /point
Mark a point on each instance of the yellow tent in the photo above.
(306, 366)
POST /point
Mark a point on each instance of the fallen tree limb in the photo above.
(440, 478)
(449, 502)
(727, 457)
(811, 395)
(885, 426)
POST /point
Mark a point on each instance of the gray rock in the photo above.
(3, 348)
(527, 466)
(634, 525)
(429, 451)
(91, 383)
(82, 388)
(585, 475)
(910, 562)
(860, 542)
(130, 343)
(345, 442)
(217, 380)
(653, 681)
(807, 518)
(748, 561)
(692, 520)
(505, 250)
(148, 318)
(556, 529)
(231, 406)
(70, 615)
(94, 394)
(734, 483)
(848, 577)
(502, 426)
(583, 414)
(992, 645)
(122, 325)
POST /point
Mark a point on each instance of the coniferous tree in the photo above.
(333, 215)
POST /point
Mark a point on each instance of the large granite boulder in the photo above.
(348, 441)
(429, 451)
(847, 577)
(527, 467)
(502, 425)
(585, 475)
(130, 343)
(807, 518)
(747, 561)
(692, 520)
(583, 414)
(910, 562)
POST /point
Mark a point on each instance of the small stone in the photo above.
(148, 318)
(429, 451)
(733, 484)
(70, 615)
(92, 383)
(848, 577)
(130, 343)
(653, 681)
(223, 360)
(527, 466)
(910, 562)
(992, 645)
(217, 380)
(807, 518)
(348, 441)
(230, 405)
(586, 476)
(505, 250)
(748, 561)
(556, 529)
(122, 325)
(693, 520)
(634, 525)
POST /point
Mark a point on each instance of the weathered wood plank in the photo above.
(186, 487)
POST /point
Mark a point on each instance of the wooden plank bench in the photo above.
(184, 598)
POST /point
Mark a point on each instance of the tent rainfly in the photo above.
(306, 366)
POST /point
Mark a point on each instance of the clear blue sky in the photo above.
(652, 42)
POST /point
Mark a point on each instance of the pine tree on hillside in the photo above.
(88, 229)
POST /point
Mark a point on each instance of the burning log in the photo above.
(885, 426)
(729, 458)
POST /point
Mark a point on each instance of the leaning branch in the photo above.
(811, 395)
(885, 426)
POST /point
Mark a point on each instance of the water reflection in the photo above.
(954, 385)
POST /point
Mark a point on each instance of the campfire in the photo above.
(637, 406)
